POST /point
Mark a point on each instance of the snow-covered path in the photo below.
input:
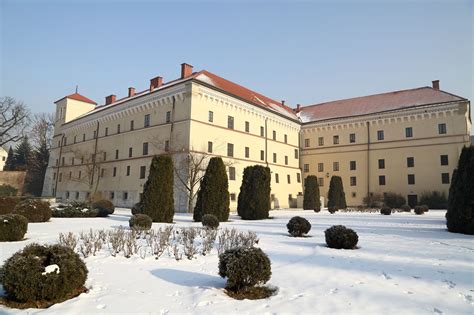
(406, 264)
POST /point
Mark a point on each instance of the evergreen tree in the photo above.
(254, 197)
(36, 170)
(336, 195)
(311, 194)
(158, 202)
(10, 162)
(22, 155)
(213, 194)
(460, 214)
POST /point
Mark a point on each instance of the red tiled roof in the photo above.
(375, 104)
(78, 97)
(244, 93)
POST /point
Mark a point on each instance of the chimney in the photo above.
(156, 83)
(298, 108)
(435, 84)
(283, 102)
(110, 99)
(131, 91)
(186, 70)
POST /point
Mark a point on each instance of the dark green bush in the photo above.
(373, 200)
(254, 198)
(386, 210)
(311, 194)
(421, 209)
(298, 226)
(434, 200)
(104, 206)
(332, 210)
(34, 210)
(394, 200)
(78, 210)
(244, 267)
(210, 221)
(7, 190)
(25, 279)
(140, 221)
(213, 193)
(137, 208)
(336, 195)
(338, 236)
(405, 208)
(158, 202)
(7, 204)
(12, 227)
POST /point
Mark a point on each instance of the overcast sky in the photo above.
(303, 52)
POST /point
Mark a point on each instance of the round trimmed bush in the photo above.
(12, 227)
(386, 210)
(405, 208)
(244, 267)
(137, 208)
(7, 204)
(104, 206)
(43, 273)
(338, 236)
(298, 226)
(332, 210)
(421, 209)
(34, 210)
(425, 208)
(210, 221)
(140, 221)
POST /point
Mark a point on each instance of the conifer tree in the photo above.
(10, 162)
(158, 202)
(213, 194)
(336, 195)
(254, 197)
(460, 214)
(37, 170)
(311, 194)
(22, 155)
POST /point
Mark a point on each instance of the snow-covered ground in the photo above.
(406, 264)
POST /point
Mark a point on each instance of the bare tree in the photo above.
(91, 165)
(14, 120)
(42, 130)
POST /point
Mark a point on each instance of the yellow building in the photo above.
(368, 141)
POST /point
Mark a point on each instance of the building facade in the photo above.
(369, 141)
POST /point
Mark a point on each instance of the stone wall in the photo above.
(13, 178)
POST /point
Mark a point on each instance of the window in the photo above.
(167, 145)
(382, 180)
(125, 195)
(274, 135)
(320, 181)
(286, 159)
(77, 195)
(118, 128)
(231, 173)
(381, 164)
(444, 178)
(94, 134)
(72, 159)
(210, 116)
(274, 157)
(230, 149)
(288, 178)
(320, 167)
(147, 121)
(70, 174)
(128, 170)
(296, 153)
(80, 174)
(442, 129)
(60, 176)
(106, 131)
(168, 117)
(65, 140)
(247, 126)
(320, 141)
(306, 168)
(410, 162)
(352, 165)
(353, 180)
(306, 143)
(83, 137)
(114, 173)
(408, 132)
(82, 160)
(130, 152)
(247, 152)
(145, 148)
(335, 139)
(112, 195)
(62, 161)
(353, 194)
(335, 166)
(102, 172)
(105, 158)
(411, 179)
(285, 138)
(277, 178)
(230, 122)
(116, 154)
(142, 171)
(54, 176)
(380, 135)
(352, 138)
(209, 146)
(444, 160)
(262, 131)
(262, 155)
(232, 197)
(74, 140)
(298, 177)
(132, 125)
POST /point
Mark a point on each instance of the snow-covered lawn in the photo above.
(406, 264)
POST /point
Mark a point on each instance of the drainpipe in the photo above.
(172, 120)
(266, 143)
(368, 159)
(59, 164)
(95, 152)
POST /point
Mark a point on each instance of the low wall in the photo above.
(14, 179)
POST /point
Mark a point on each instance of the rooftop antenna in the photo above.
(77, 87)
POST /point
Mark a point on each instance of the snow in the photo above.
(50, 269)
(406, 264)
(204, 78)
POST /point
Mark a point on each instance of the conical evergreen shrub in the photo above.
(336, 195)
(213, 194)
(460, 214)
(311, 194)
(157, 200)
(254, 198)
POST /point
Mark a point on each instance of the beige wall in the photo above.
(13, 178)
(3, 158)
